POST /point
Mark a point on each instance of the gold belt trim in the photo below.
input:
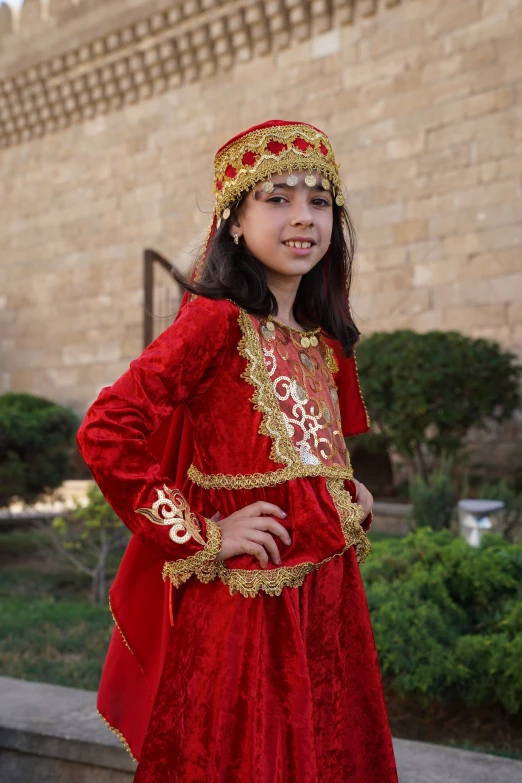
(250, 582)
(269, 479)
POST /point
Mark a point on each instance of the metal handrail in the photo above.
(151, 257)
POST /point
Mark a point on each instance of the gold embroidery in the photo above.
(202, 564)
(331, 361)
(248, 582)
(368, 420)
(172, 509)
(252, 158)
(269, 479)
(119, 735)
(125, 642)
(264, 399)
(299, 384)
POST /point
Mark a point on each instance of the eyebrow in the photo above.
(283, 186)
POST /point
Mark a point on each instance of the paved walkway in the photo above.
(62, 724)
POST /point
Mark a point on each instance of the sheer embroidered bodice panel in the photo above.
(299, 365)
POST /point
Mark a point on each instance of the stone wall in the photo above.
(110, 113)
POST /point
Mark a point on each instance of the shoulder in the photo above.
(210, 311)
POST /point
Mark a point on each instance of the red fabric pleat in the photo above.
(271, 690)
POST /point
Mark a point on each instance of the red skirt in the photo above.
(282, 689)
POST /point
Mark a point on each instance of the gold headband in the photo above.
(258, 154)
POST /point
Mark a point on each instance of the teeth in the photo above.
(299, 244)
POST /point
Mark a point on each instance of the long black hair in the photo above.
(231, 272)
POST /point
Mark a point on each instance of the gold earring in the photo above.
(236, 239)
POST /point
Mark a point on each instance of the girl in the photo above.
(222, 449)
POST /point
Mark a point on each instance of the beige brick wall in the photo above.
(110, 113)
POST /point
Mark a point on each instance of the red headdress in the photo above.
(140, 600)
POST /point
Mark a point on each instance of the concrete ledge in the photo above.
(60, 724)
(51, 734)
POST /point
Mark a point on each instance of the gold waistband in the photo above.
(268, 479)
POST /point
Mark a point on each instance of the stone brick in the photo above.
(410, 231)
(419, 98)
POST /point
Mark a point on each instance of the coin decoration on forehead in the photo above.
(339, 199)
(326, 184)
(292, 180)
(268, 187)
(310, 180)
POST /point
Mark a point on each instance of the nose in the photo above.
(302, 214)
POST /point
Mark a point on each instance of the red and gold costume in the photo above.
(223, 671)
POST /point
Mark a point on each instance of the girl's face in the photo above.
(288, 230)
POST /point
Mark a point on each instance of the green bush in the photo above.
(424, 392)
(447, 618)
(433, 502)
(36, 438)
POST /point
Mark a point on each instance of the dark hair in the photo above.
(231, 272)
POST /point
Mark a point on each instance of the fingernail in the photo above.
(289, 540)
(284, 513)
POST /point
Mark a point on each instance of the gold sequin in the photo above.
(307, 361)
(171, 509)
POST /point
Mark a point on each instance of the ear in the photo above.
(234, 225)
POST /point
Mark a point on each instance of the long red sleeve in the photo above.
(179, 365)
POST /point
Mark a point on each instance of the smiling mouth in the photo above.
(303, 245)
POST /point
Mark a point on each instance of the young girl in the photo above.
(222, 449)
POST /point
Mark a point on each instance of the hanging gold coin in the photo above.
(270, 326)
(292, 180)
(305, 342)
(267, 333)
(226, 213)
(310, 180)
(339, 199)
(268, 187)
(314, 341)
(326, 185)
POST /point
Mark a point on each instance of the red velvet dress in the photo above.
(234, 673)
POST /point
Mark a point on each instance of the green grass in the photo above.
(50, 630)
(54, 641)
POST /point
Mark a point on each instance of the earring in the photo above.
(236, 239)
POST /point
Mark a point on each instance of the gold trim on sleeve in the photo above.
(171, 509)
(248, 582)
(268, 479)
(202, 564)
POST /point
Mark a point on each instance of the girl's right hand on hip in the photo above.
(247, 532)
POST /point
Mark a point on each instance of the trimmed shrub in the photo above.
(447, 618)
(36, 439)
(424, 392)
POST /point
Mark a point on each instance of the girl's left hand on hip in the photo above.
(363, 497)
